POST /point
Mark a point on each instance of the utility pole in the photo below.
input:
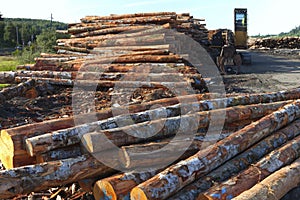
(17, 32)
(51, 18)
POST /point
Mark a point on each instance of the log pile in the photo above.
(277, 43)
(209, 141)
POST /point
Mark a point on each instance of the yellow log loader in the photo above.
(228, 48)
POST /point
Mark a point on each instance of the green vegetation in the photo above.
(21, 32)
(295, 32)
(8, 63)
(27, 38)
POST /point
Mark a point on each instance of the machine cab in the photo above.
(240, 28)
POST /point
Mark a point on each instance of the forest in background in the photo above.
(16, 32)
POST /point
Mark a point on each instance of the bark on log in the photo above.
(95, 84)
(43, 176)
(240, 162)
(12, 140)
(116, 17)
(255, 173)
(60, 154)
(131, 48)
(185, 172)
(119, 186)
(169, 124)
(154, 39)
(274, 186)
(92, 42)
(112, 30)
(18, 90)
(143, 156)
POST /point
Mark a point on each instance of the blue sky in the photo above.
(265, 16)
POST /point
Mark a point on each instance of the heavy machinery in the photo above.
(228, 48)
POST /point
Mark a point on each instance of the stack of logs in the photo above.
(265, 139)
(277, 43)
(250, 136)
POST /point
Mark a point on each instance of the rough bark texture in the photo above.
(185, 172)
(240, 162)
(164, 125)
(274, 186)
(167, 127)
(119, 186)
(32, 178)
(19, 90)
(255, 173)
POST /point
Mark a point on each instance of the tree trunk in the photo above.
(119, 186)
(240, 162)
(276, 185)
(112, 30)
(177, 176)
(89, 19)
(168, 123)
(40, 177)
(18, 90)
(60, 154)
(12, 141)
(255, 173)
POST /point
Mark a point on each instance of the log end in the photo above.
(7, 149)
(137, 194)
(104, 190)
(204, 197)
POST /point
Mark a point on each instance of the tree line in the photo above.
(22, 32)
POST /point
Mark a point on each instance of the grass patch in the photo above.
(4, 86)
(8, 63)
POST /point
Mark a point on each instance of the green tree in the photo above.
(10, 34)
(46, 40)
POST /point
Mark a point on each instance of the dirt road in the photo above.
(267, 73)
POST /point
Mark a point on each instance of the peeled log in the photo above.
(276, 185)
(18, 90)
(43, 176)
(169, 126)
(119, 186)
(255, 173)
(240, 162)
(183, 173)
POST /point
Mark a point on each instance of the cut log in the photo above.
(12, 140)
(99, 84)
(240, 162)
(142, 132)
(119, 186)
(131, 48)
(255, 173)
(276, 185)
(178, 176)
(18, 90)
(60, 154)
(40, 177)
(144, 156)
(169, 126)
(116, 17)
(112, 30)
(159, 20)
